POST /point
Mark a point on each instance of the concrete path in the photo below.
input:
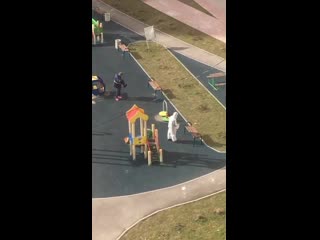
(111, 217)
(216, 7)
(170, 42)
(191, 16)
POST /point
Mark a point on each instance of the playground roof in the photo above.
(135, 112)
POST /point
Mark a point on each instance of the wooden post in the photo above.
(98, 37)
(141, 133)
(141, 127)
(133, 152)
(152, 129)
(145, 134)
(129, 134)
(149, 158)
(133, 133)
(156, 139)
(101, 32)
(161, 155)
(93, 35)
(145, 128)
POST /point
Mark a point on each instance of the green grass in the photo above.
(192, 100)
(143, 12)
(195, 5)
(201, 220)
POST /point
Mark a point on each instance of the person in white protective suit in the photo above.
(173, 127)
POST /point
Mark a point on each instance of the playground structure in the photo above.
(148, 140)
(212, 81)
(97, 32)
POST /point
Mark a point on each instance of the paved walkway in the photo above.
(113, 216)
(216, 7)
(170, 42)
(192, 17)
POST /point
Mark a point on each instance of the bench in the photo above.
(155, 86)
(123, 48)
(212, 82)
(218, 74)
(194, 132)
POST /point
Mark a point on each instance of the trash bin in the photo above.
(107, 17)
(116, 43)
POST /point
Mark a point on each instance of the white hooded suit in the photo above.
(173, 127)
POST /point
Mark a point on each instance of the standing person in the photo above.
(118, 82)
(173, 127)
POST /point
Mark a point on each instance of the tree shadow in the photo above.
(212, 143)
(193, 160)
(136, 55)
(100, 133)
(139, 99)
(169, 94)
(112, 159)
(182, 141)
(178, 48)
(107, 150)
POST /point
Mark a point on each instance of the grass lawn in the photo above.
(192, 100)
(201, 220)
(169, 25)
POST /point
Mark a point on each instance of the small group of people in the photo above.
(173, 125)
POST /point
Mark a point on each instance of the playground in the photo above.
(118, 167)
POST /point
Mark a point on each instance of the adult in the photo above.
(173, 127)
(118, 82)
